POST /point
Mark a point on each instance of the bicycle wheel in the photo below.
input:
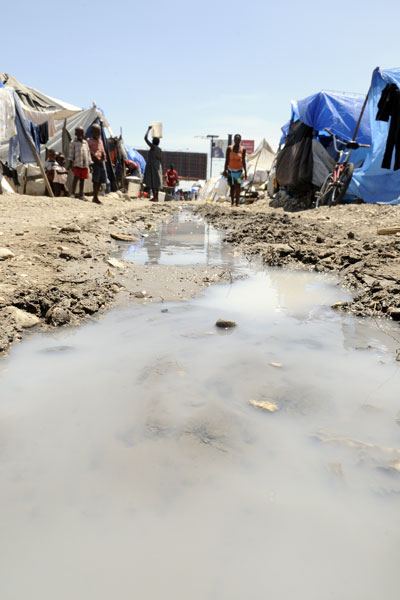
(326, 190)
(342, 184)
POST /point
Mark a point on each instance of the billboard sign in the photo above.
(248, 145)
(219, 148)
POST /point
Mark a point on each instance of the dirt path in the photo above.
(55, 255)
(342, 240)
(54, 261)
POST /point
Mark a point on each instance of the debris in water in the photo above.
(124, 238)
(224, 324)
(278, 365)
(339, 305)
(265, 405)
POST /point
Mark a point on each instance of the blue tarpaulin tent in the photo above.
(336, 111)
(136, 157)
(370, 182)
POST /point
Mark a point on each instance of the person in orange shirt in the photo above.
(235, 168)
(171, 178)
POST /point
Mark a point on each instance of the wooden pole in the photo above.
(39, 162)
(361, 113)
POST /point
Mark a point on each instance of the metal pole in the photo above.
(211, 155)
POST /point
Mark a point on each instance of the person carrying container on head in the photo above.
(153, 172)
(235, 169)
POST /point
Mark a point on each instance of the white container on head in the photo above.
(156, 129)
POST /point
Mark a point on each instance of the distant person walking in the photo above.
(153, 172)
(99, 158)
(235, 168)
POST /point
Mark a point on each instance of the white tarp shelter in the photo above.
(259, 163)
(66, 118)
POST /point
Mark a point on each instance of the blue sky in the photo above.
(202, 67)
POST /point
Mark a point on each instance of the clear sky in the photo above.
(207, 67)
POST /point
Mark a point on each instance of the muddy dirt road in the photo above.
(57, 263)
(340, 240)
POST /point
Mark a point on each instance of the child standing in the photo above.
(50, 165)
(80, 161)
(60, 177)
(99, 158)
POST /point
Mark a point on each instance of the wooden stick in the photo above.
(39, 162)
(389, 230)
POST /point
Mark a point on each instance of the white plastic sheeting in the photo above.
(215, 189)
(260, 162)
(38, 100)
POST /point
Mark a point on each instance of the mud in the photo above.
(58, 267)
(341, 240)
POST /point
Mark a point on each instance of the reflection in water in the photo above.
(184, 240)
(152, 244)
(134, 465)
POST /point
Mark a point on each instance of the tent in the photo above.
(29, 103)
(32, 98)
(259, 163)
(371, 182)
(307, 156)
(138, 158)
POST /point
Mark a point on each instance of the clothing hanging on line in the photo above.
(389, 106)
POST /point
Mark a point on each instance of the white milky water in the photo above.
(133, 465)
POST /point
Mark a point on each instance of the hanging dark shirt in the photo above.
(44, 132)
(389, 106)
(35, 135)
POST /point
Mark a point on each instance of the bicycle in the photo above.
(336, 183)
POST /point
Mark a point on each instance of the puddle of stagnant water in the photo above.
(184, 240)
(133, 464)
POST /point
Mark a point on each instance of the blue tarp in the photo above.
(370, 182)
(136, 157)
(336, 111)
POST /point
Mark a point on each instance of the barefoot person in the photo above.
(80, 161)
(153, 173)
(235, 168)
(98, 155)
(60, 177)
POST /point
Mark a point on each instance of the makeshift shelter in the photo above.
(373, 182)
(26, 109)
(259, 163)
(307, 156)
(138, 158)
